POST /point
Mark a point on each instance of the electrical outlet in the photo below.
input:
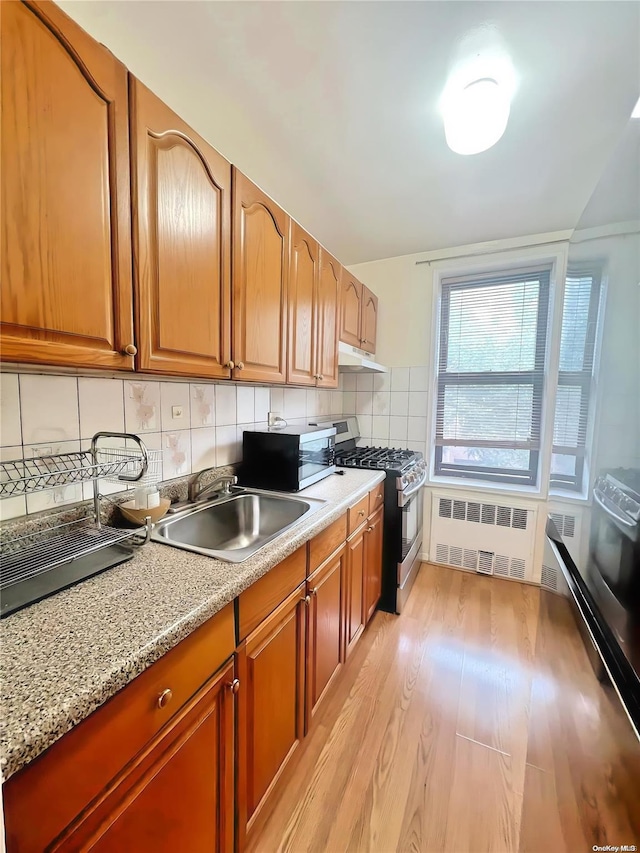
(177, 412)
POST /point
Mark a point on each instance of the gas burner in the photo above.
(381, 458)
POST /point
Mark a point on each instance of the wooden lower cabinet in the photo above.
(373, 564)
(325, 629)
(354, 610)
(271, 670)
(177, 795)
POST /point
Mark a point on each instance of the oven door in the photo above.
(411, 503)
(614, 551)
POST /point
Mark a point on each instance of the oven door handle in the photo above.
(600, 501)
(403, 497)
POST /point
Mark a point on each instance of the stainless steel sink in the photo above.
(235, 526)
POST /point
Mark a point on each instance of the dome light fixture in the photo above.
(475, 115)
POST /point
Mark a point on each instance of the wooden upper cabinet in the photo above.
(65, 194)
(260, 277)
(369, 320)
(329, 283)
(182, 239)
(302, 298)
(350, 310)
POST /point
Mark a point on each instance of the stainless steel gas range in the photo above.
(406, 473)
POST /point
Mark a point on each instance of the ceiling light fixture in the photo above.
(475, 115)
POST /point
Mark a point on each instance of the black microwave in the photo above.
(287, 459)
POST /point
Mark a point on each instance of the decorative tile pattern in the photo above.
(142, 406)
(202, 405)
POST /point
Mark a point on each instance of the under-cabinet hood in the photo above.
(352, 360)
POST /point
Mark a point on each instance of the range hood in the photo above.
(352, 360)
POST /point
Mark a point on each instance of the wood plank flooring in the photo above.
(472, 722)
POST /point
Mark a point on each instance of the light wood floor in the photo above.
(473, 722)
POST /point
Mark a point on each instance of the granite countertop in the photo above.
(65, 656)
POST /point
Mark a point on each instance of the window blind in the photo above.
(575, 376)
(492, 351)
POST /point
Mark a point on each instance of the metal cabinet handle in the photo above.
(361, 512)
(234, 686)
(230, 365)
(307, 599)
(164, 698)
(240, 365)
(314, 591)
(130, 349)
(369, 529)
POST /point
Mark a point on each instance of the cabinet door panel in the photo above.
(182, 210)
(65, 196)
(369, 320)
(271, 715)
(329, 283)
(325, 634)
(373, 564)
(178, 795)
(260, 278)
(350, 310)
(303, 283)
(355, 581)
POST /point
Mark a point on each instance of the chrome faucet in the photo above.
(222, 484)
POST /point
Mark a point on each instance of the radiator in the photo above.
(489, 538)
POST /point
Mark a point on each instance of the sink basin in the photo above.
(235, 526)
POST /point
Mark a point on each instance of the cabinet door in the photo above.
(65, 195)
(369, 320)
(373, 564)
(327, 337)
(302, 299)
(354, 611)
(178, 793)
(324, 629)
(182, 230)
(260, 259)
(271, 703)
(350, 310)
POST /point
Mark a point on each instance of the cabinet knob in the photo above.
(230, 365)
(314, 591)
(307, 599)
(320, 376)
(130, 349)
(164, 698)
(234, 686)
(240, 365)
(361, 512)
(369, 529)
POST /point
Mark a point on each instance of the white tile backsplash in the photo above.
(175, 395)
(226, 402)
(10, 427)
(49, 408)
(364, 382)
(349, 382)
(399, 403)
(49, 413)
(101, 403)
(381, 402)
(398, 429)
(246, 399)
(418, 379)
(202, 405)
(142, 406)
(349, 402)
(379, 428)
(400, 379)
(364, 403)
(417, 429)
(418, 403)
(203, 448)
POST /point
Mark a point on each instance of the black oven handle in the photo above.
(403, 497)
(600, 501)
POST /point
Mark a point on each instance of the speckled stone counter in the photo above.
(62, 658)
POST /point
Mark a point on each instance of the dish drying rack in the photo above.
(26, 557)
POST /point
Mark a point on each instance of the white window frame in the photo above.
(553, 255)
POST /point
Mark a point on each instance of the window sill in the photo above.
(531, 492)
(569, 497)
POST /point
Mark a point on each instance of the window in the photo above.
(491, 363)
(575, 376)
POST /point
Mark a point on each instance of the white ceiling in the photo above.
(332, 107)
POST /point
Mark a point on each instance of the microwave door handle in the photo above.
(609, 511)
